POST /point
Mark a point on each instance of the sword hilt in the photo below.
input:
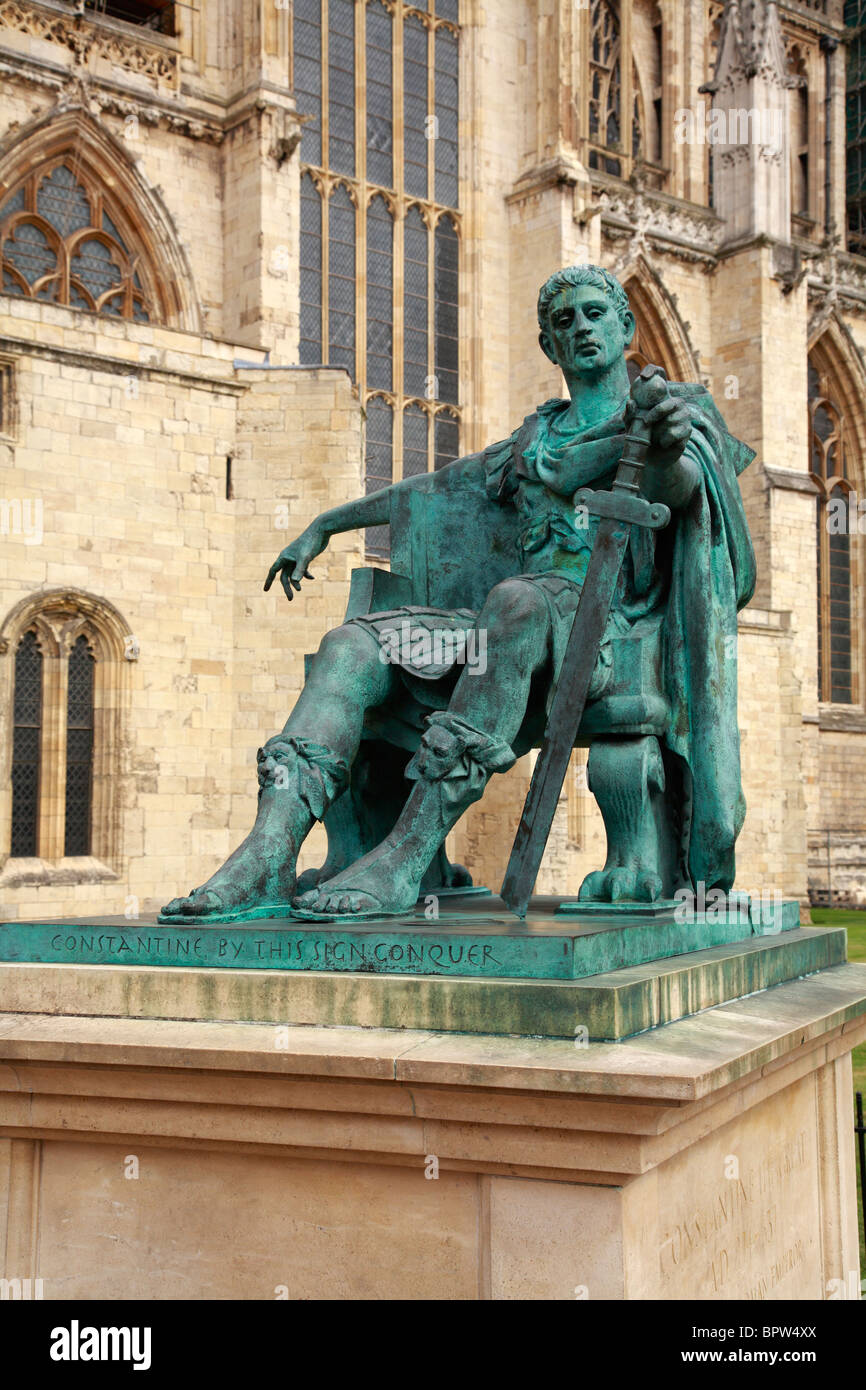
(648, 389)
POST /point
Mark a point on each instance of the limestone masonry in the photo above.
(162, 437)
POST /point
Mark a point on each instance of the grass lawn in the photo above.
(855, 922)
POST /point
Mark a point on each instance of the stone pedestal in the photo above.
(157, 1142)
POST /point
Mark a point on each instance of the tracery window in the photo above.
(625, 99)
(855, 125)
(63, 239)
(26, 741)
(801, 189)
(830, 471)
(380, 224)
(67, 689)
(79, 748)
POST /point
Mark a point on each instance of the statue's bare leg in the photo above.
(460, 750)
(301, 772)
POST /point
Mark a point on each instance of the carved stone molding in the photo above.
(836, 280)
(658, 220)
(86, 36)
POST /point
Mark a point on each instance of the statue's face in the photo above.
(585, 332)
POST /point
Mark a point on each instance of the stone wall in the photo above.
(126, 431)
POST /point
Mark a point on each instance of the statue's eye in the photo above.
(565, 319)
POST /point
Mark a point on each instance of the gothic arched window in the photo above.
(26, 745)
(829, 469)
(652, 341)
(68, 692)
(624, 108)
(384, 139)
(79, 747)
(62, 239)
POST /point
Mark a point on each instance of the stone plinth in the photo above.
(179, 1156)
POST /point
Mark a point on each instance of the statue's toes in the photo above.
(175, 907)
(360, 902)
(307, 899)
(201, 901)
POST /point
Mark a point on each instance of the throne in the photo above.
(441, 523)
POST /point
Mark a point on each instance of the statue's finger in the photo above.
(287, 588)
(307, 574)
(662, 410)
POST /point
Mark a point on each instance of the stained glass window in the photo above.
(445, 146)
(380, 114)
(341, 280)
(311, 273)
(415, 422)
(379, 281)
(415, 112)
(616, 118)
(446, 315)
(416, 239)
(829, 472)
(62, 201)
(79, 748)
(27, 720)
(855, 122)
(59, 242)
(341, 85)
(380, 295)
(307, 31)
(447, 437)
(379, 462)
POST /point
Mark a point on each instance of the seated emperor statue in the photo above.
(691, 578)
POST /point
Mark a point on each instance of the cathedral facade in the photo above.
(259, 256)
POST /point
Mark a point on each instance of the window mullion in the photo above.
(431, 116)
(431, 391)
(361, 216)
(399, 178)
(432, 385)
(626, 89)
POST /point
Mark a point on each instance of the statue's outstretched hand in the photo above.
(292, 563)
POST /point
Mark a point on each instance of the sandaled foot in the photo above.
(205, 905)
(376, 886)
(257, 880)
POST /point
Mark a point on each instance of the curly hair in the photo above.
(581, 275)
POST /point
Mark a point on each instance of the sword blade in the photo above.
(566, 712)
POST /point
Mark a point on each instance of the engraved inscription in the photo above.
(301, 951)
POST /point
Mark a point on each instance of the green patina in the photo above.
(604, 1007)
(480, 943)
(445, 669)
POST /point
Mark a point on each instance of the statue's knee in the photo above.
(516, 605)
(349, 644)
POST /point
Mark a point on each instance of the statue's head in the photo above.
(584, 318)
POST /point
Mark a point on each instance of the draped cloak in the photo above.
(702, 570)
(695, 574)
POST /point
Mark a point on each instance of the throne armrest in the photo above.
(377, 591)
